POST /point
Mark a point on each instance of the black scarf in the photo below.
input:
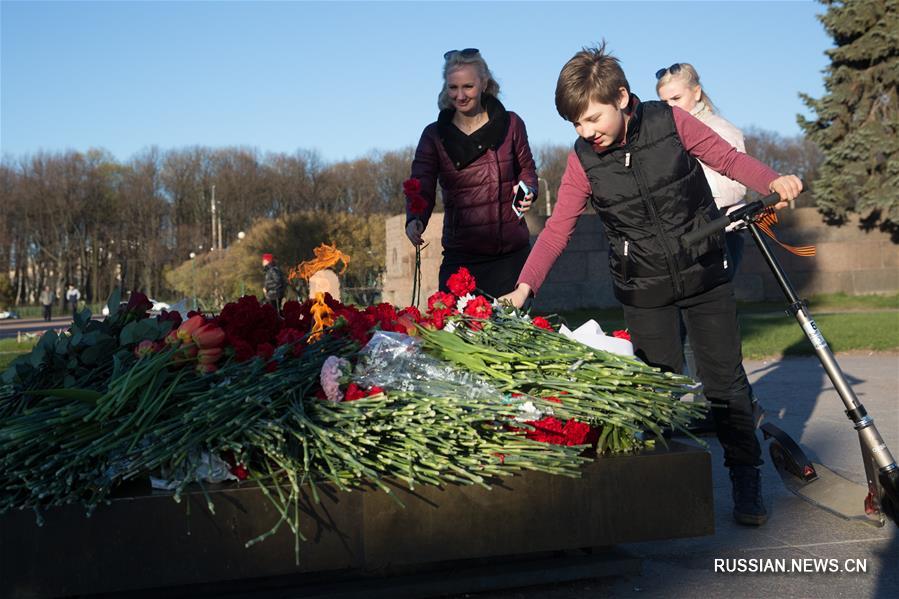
(465, 149)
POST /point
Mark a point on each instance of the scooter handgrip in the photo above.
(770, 200)
(705, 230)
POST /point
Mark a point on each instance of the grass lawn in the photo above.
(10, 350)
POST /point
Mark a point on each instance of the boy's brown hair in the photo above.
(590, 75)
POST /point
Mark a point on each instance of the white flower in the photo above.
(463, 301)
(449, 326)
(530, 412)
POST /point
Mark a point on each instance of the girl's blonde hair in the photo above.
(456, 60)
(685, 72)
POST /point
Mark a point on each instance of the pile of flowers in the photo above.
(464, 393)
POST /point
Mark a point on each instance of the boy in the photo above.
(637, 163)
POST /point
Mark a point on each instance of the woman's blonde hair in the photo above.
(459, 59)
(685, 72)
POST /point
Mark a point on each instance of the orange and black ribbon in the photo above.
(768, 219)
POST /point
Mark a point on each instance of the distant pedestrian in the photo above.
(73, 296)
(48, 298)
(274, 282)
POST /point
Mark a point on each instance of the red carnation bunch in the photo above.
(415, 202)
(461, 282)
(550, 429)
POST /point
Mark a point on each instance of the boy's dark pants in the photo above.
(711, 322)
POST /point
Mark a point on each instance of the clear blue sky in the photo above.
(345, 78)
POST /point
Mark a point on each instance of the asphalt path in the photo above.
(13, 326)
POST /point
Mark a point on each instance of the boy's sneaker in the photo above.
(747, 492)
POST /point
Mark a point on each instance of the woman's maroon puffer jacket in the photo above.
(477, 200)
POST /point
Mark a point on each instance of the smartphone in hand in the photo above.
(519, 198)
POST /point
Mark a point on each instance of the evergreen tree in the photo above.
(857, 126)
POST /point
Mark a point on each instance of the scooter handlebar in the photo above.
(721, 222)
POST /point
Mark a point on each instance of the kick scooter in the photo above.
(816, 483)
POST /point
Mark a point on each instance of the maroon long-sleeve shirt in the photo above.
(698, 140)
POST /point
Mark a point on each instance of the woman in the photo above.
(678, 85)
(478, 152)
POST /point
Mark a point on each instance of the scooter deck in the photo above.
(834, 493)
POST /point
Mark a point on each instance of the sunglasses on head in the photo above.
(466, 53)
(673, 69)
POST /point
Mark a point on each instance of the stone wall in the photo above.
(400, 257)
(848, 260)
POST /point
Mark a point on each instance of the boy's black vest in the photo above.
(649, 192)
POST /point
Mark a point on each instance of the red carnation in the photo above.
(265, 351)
(542, 323)
(437, 320)
(441, 301)
(354, 392)
(479, 307)
(411, 186)
(383, 313)
(461, 282)
(577, 433)
(240, 471)
(416, 205)
(412, 311)
(291, 337)
(243, 351)
(621, 334)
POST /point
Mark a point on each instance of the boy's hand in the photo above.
(414, 230)
(788, 187)
(517, 297)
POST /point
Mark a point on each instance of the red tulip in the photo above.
(188, 328)
(145, 348)
(172, 338)
(407, 321)
(206, 368)
(209, 355)
(209, 336)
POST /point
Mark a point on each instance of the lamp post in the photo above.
(240, 236)
(193, 276)
(549, 208)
